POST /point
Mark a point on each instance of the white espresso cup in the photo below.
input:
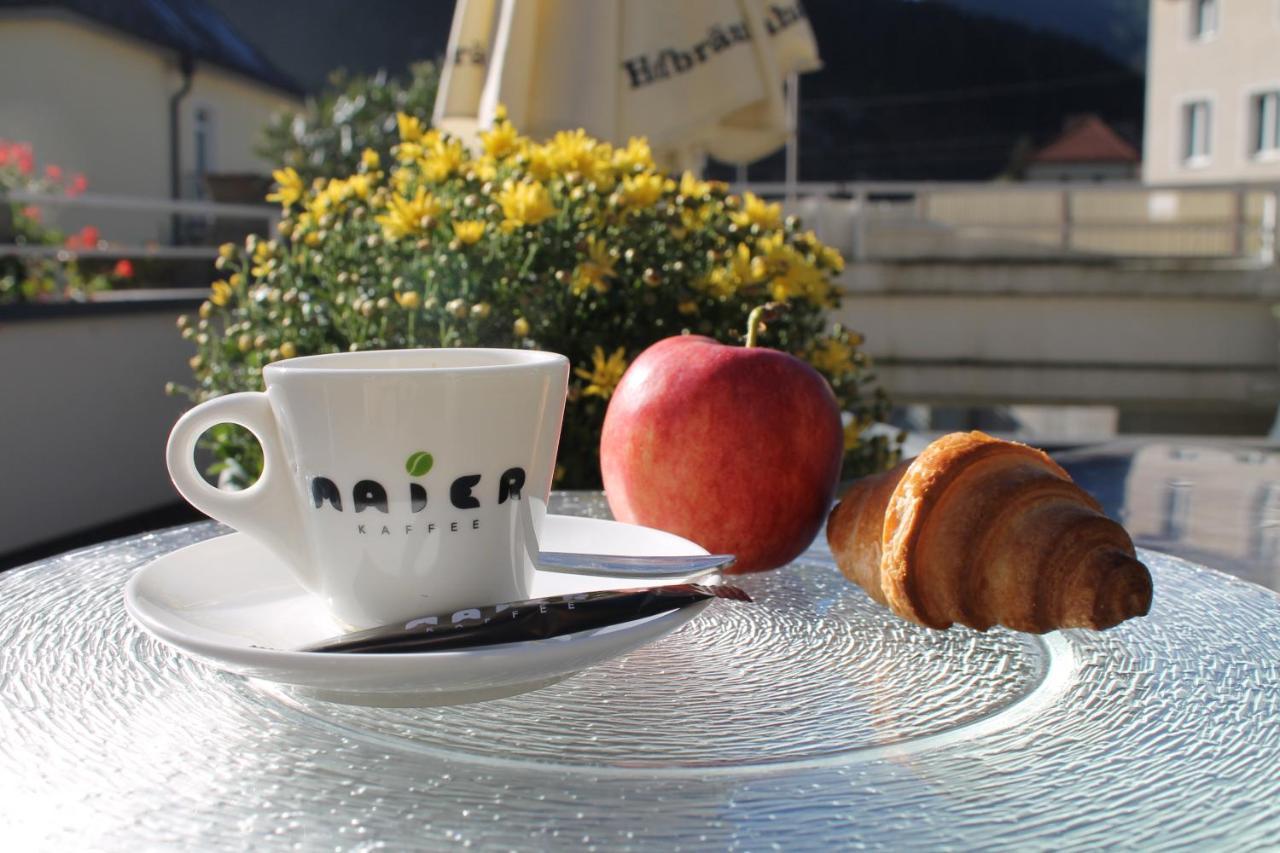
(395, 483)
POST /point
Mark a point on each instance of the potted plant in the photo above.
(569, 244)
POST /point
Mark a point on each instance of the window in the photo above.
(203, 148)
(1204, 18)
(1196, 130)
(1266, 123)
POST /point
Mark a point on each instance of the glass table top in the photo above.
(810, 719)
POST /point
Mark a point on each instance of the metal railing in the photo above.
(1049, 221)
(196, 223)
(865, 220)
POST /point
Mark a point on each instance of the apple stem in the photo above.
(755, 321)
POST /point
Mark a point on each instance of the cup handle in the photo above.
(267, 510)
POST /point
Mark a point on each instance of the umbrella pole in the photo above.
(793, 136)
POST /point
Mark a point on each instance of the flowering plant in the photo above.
(42, 277)
(570, 245)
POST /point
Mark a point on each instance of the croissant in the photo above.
(986, 532)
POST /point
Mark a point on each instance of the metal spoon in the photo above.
(628, 567)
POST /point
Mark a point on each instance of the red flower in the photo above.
(79, 183)
(53, 173)
(123, 268)
(31, 212)
(24, 157)
(87, 238)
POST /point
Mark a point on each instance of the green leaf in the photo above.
(418, 463)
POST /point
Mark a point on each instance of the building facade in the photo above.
(1213, 92)
(99, 96)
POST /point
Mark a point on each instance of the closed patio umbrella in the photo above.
(695, 77)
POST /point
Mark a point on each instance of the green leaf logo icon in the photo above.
(418, 463)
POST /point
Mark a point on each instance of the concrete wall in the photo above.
(1153, 337)
(95, 101)
(84, 419)
(1227, 68)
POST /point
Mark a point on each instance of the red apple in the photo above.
(735, 448)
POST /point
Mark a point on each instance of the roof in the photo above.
(1088, 139)
(189, 27)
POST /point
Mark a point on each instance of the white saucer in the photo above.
(230, 603)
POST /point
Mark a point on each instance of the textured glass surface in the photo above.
(809, 719)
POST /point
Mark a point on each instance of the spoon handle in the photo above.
(624, 566)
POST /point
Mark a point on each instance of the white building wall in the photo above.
(95, 101)
(1226, 68)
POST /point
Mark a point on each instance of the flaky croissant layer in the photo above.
(983, 532)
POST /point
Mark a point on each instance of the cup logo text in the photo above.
(465, 493)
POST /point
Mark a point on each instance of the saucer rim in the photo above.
(221, 651)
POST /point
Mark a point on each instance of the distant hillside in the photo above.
(1118, 27)
(927, 91)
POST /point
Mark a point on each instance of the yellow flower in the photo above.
(691, 187)
(742, 270)
(605, 373)
(745, 268)
(401, 180)
(797, 277)
(757, 211)
(832, 356)
(290, 188)
(409, 299)
(484, 168)
(410, 127)
(288, 350)
(370, 159)
(688, 306)
(221, 293)
(336, 192)
(635, 157)
(694, 218)
(520, 327)
(468, 231)
(358, 186)
(641, 191)
(408, 152)
(442, 160)
(407, 217)
(227, 251)
(525, 203)
(852, 432)
(574, 151)
(593, 273)
(500, 141)
(774, 248)
(831, 258)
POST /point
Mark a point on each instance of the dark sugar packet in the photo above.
(535, 619)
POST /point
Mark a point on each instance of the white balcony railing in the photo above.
(1028, 221)
(865, 220)
(137, 227)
